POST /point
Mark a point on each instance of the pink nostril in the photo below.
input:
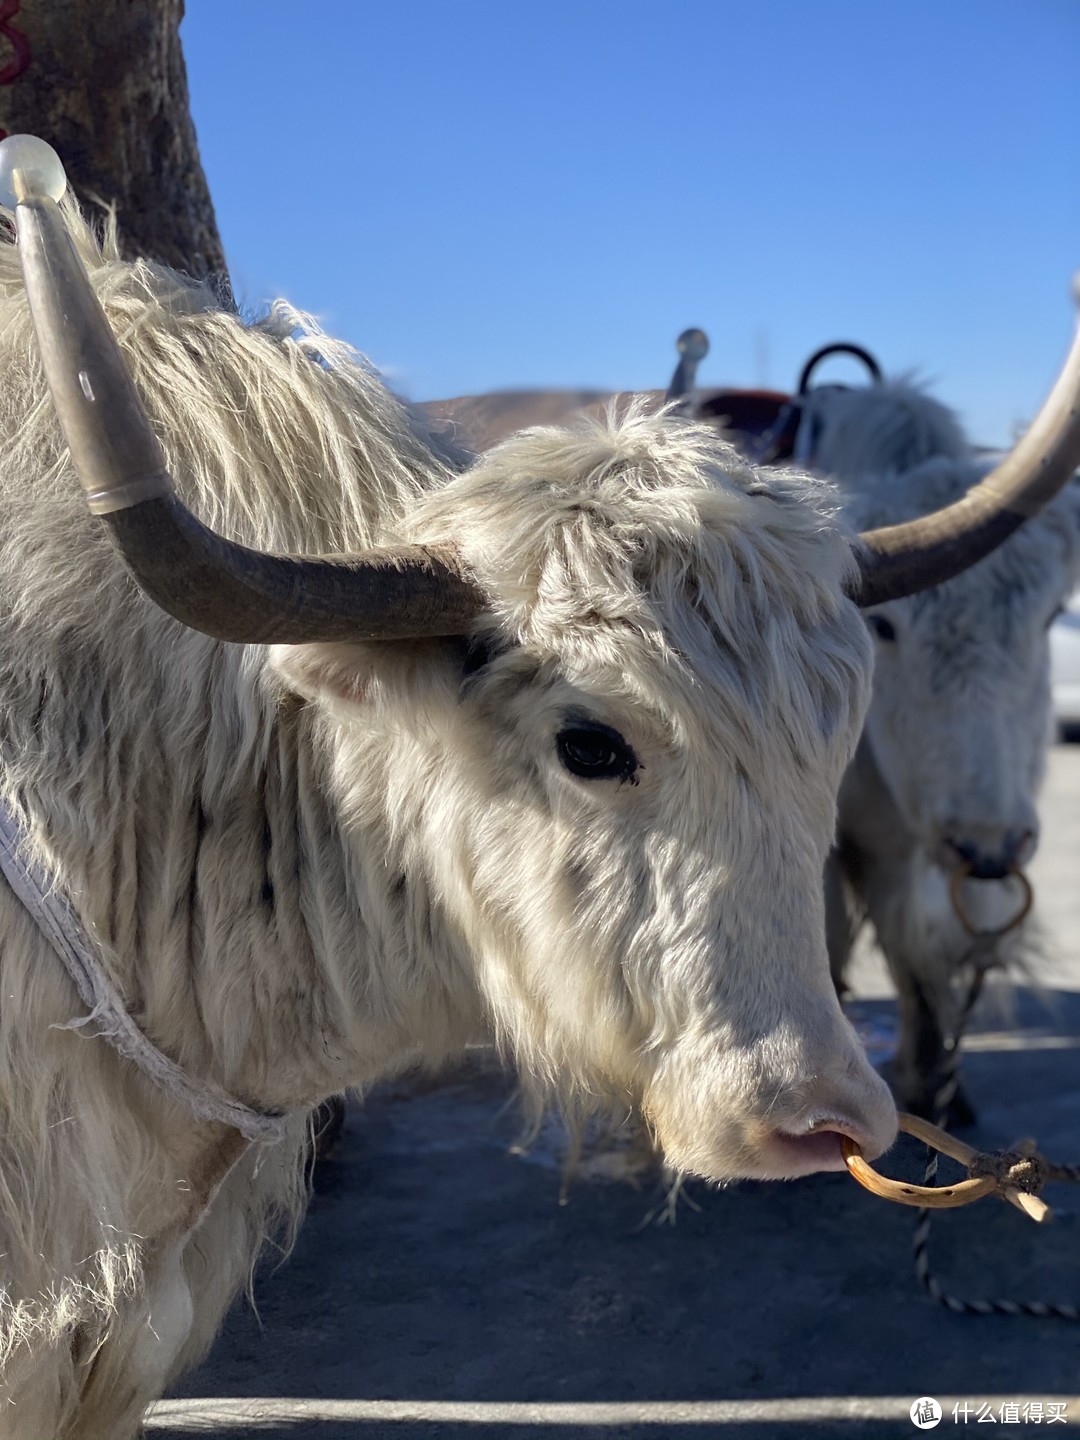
(841, 1101)
(813, 1148)
(819, 1151)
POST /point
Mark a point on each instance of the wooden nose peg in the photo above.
(1014, 1177)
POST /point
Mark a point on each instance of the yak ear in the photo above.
(1071, 501)
(372, 678)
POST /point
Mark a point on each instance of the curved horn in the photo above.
(693, 346)
(898, 560)
(841, 347)
(207, 582)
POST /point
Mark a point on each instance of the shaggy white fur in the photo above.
(955, 741)
(308, 869)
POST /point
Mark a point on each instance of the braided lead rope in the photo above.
(979, 959)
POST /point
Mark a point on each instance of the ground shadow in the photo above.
(437, 1265)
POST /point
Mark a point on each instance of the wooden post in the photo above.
(103, 81)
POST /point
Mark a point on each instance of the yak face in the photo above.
(960, 712)
(621, 793)
(960, 715)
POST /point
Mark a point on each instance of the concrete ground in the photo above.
(440, 1289)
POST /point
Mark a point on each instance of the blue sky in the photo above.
(497, 195)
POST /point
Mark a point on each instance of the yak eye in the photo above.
(594, 752)
(882, 628)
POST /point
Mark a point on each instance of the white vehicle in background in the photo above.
(1065, 669)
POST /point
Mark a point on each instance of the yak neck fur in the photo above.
(282, 439)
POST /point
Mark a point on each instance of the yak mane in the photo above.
(280, 438)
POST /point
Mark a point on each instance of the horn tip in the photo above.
(30, 169)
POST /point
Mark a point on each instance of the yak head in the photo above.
(961, 707)
(960, 717)
(620, 791)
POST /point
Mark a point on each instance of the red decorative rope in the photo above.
(20, 46)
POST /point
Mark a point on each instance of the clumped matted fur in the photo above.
(296, 897)
(956, 734)
(139, 755)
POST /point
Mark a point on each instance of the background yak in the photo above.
(954, 747)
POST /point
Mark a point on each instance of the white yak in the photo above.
(578, 803)
(947, 772)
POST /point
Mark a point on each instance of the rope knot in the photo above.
(1010, 1170)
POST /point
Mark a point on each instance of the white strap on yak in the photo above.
(58, 922)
